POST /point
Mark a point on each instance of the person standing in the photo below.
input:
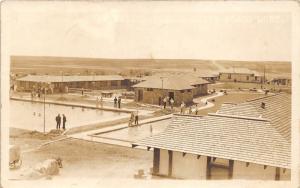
(59, 121)
(165, 102)
(115, 102)
(136, 118)
(182, 107)
(131, 119)
(64, 122)
(172, 103)
(119, 102)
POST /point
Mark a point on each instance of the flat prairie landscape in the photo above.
(133, 67)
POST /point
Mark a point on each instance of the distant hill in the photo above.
(71, 65)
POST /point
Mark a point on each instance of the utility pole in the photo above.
(44, 109)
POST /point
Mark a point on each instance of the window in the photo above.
(149, 89)
(189, 90)
(182, 91)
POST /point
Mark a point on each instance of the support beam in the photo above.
(156, 160)
(170, 163)
(230, 169)
(133, 145)
(277, 175)
(148, 148)
(214, 159)
(183, 154)
(247, 164)
(265, 166)
(198, 156)
(208, 168)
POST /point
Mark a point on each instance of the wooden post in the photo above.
(208, 168)
(230, 169)
(170, 163)
(277, 176)
(156, 160)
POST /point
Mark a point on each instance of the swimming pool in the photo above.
(30, 115)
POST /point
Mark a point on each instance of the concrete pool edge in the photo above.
(74, 105)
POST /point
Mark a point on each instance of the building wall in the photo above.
(253, 171)
(200, 90)
(164, 162)
(152, 96)
(188, 167)
(239, 77)
(285, 174)
(58, 86)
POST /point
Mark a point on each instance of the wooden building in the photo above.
(241, 76)
(282, 80)
(64, 83)
(251, 140)
(180, 89)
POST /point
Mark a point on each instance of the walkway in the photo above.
(205, 101)
(95, 135)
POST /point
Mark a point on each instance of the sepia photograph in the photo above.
(146, 91)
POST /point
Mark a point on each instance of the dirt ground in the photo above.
(84, 158)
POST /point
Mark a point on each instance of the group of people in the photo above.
(58, 119)
(134, 117)
(170, 100)
(117, 102)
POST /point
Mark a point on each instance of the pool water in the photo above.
(30, 115)
(133, 134)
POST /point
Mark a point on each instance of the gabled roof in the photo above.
(244, 132)
(277, 110)
(171, 82)
(52, 78)
(244, 139)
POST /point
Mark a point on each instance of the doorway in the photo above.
(140, 95)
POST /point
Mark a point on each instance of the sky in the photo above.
(145, 30)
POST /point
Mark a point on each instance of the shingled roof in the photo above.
(171, 82)
(53, 78)
(254, 136)
(277, 110)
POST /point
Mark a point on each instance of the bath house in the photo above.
(180, 88)
(251, 140)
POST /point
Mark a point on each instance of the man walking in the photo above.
(64, 122)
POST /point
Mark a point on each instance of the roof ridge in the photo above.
(238, 117)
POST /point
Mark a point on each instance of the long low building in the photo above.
(251, 140)
(60, 83)
(241, 76)
(179, 88)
